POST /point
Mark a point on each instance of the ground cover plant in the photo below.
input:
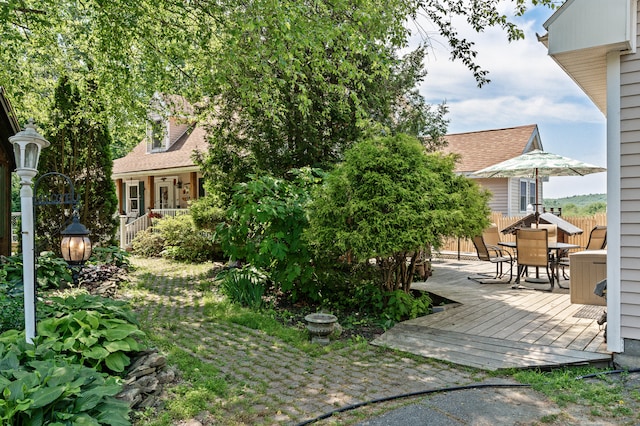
(84, 343)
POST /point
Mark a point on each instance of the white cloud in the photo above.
(527, 87)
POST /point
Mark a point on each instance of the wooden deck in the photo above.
(493, 326)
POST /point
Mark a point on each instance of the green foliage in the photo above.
(97, 332)
(80, 149)
(245, 285)
(565, 386)
(40, 388)
(207, 212)
(401, 306)
(12, 308)
(388, 201)
(266, 220)
(52, 272)
(182, 241)
(148, 243)
(111, 255)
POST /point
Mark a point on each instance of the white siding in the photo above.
(498, 187)
(630, 196)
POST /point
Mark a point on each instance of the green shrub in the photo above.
(401, 306)
(176, 238)
(52, 272)
(12, 308)
(98, 332)
(207, 212)
(244, 285)
(264, 227)
(147, 243)
(41, 388)
(111, 255)
(182, 241)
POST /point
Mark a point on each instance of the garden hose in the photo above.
(443, 390)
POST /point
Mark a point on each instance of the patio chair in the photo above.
(493, 254)
(597, 241)
(532, 246)
(491, 235)
(552, 231)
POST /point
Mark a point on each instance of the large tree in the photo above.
(81, 150)
(131, 49)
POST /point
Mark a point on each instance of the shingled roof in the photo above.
(488, 147)
(178, 156)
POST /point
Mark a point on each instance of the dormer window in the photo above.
(157, 136)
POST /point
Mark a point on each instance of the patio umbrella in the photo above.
(538, 163)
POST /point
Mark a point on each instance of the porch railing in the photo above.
(129, 229)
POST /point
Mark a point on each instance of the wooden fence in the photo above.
(465, 246)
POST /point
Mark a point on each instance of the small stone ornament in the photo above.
(320, 326)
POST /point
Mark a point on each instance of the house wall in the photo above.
(629, 196)
(5, 202)
(500, 201)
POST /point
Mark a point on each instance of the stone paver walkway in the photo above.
(280, 385)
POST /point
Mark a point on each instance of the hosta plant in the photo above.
(39, 388)
(93, 338)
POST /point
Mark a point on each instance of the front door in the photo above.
(164, 195)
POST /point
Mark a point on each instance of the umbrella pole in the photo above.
(537, 203)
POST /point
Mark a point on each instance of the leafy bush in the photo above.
(176, 238)
(95, 331)
(148, 243)
(207, 212)
(401, 306)
(12, 308)
(244, 285)
(389, 200)
(264, 227)
(40, 388)
(52, 272)
(111, 255)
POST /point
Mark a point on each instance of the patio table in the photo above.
(554, 249)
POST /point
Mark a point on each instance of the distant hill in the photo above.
(578, 200)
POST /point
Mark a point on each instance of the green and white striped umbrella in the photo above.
(539, 163)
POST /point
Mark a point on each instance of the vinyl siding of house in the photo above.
(498, 187)
(630, 196)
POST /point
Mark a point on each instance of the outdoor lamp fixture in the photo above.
(75, 245)
(27, 145)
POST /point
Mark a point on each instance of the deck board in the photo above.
(495, 326)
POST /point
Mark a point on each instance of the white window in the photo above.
(157, 136)
(133, 197)
(527, 194)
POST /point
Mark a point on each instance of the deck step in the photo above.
(485, 353)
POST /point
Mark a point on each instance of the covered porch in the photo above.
(493, 327)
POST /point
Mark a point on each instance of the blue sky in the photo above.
(527, 87)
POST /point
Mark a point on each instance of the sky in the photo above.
(527, 87)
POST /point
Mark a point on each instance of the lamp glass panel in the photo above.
(76, 249)
(17, 151)
(31, 155)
